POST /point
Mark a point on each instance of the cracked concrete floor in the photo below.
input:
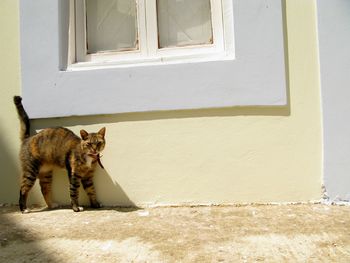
(254, 233)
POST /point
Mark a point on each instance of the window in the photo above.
(140, 31)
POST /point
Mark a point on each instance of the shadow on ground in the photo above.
(266, 233)
(11, 232)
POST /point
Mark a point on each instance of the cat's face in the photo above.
(93, 143)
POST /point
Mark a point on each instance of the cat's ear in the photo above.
(84, 134)
(102, 132)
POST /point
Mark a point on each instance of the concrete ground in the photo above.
(254, 233)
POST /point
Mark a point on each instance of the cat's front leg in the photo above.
(74, 193)
(90, 190)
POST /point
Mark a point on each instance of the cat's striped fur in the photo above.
(57, 147)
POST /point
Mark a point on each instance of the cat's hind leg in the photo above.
(27, 182)
(45, 180)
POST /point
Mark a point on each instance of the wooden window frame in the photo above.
(149, 52)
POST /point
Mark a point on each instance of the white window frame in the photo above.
(148, 51)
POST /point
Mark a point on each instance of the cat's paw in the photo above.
(25, 211)
(77, 208)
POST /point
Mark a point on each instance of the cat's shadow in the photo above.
(109, 193)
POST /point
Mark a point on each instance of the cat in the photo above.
(58, 147)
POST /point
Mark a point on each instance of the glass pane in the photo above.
(111, 25)
(184, 22)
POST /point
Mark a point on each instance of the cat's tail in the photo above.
(23, 117)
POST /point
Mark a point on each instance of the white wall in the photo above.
(334, 40)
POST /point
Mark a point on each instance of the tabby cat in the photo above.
(58, 147)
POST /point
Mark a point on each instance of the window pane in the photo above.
(184, 22)
(111, 25)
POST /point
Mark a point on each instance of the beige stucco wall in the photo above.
(248, 154)
(9, 85)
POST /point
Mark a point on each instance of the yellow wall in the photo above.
(9, 85)
(241, 154)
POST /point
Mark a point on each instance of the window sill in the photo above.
(155, 61)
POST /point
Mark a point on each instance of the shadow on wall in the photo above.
(107, 189)
(163, 115)
(108, 192)
(9, 175)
